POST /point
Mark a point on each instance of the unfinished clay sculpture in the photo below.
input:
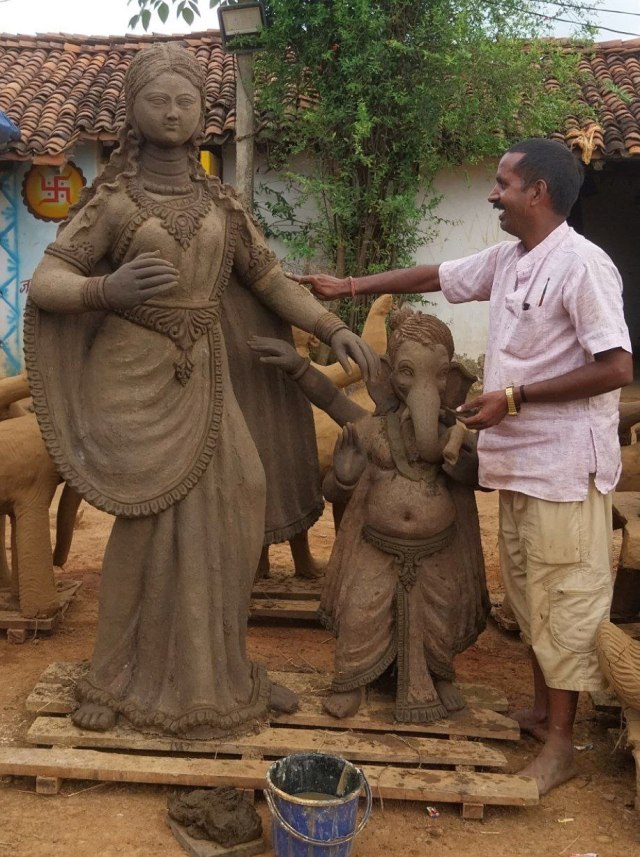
(28, 480)
(131, 386)
(619, 659)
(405, 583)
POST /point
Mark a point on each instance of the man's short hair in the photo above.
(556, 165)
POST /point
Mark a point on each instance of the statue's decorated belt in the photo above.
(184, 323)
(409, 552)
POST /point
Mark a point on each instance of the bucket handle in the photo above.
(309, 840)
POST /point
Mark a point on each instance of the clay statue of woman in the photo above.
(130, 381)
(405, 586)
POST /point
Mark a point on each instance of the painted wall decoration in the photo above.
(11, 289)
(48, 192)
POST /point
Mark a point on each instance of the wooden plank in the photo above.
(307, 611)
(274, 743)
(288, 588)
(468, 723)
(48, 785)
(473, 811)
(386, 782)
(54, 692)
(207, 848)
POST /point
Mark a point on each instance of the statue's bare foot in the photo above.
(303, 563)
(450, 695)
(263, 569)
(344, 704)
(283, 700)
(532, 723)
(97, 718)
(554, 766)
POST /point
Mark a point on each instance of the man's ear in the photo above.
(459, 382)
(381, 391)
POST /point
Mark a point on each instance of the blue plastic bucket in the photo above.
(313, 799)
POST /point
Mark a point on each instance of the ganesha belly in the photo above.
(405, 588)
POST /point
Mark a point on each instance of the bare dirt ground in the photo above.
(593, 813)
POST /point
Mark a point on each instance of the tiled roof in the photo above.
(60, 88)
(610, 82)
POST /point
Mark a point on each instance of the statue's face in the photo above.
(167, 110)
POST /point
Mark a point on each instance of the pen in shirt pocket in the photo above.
(544, 291)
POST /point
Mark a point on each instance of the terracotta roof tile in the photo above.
(610, 84)
(60, 88)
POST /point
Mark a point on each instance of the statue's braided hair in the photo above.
(145, 67)
(426, 329)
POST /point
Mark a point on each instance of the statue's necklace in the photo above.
(181, 211)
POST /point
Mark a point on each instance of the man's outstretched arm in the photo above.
(402, 281)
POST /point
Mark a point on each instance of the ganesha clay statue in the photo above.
(130, 382)
(405, 587)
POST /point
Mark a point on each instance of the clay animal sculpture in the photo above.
(130, 382)
(405, 585)
(619, 659)
(28, 480)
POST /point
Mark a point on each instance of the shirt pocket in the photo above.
(528, 334)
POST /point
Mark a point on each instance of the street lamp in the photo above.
(241, 22)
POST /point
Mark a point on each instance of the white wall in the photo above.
(472, 225)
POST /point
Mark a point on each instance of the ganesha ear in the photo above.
(381, 391)
(459, 382)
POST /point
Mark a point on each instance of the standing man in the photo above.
(557, 354)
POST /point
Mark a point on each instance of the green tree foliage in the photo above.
(394, 91)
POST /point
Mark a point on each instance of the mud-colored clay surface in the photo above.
(88, 819)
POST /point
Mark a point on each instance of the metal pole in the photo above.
(244, 128)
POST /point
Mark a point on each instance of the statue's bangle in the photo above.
(512, 408)
(302, 368)
(93, 296)
(327, 325)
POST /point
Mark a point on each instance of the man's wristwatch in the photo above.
(512, 408)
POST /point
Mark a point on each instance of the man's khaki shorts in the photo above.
(556, 565)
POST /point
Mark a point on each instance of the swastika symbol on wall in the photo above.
(55, 189)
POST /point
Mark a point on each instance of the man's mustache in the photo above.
(498, 207)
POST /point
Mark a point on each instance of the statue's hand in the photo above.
(346, 344)
(137, 281)
(277, 352)
(323, 286)
(349, 457)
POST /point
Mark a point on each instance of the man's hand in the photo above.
(323, 286)
(137, 281)
(277, 352)
(349, 456)
(346, 344)
(491, 409)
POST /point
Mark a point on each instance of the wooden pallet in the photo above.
(286, 597)
(402, 761)
(19, 628)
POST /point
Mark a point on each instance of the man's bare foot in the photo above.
(97, 718)
(283, 700)
(450, 696)
(344, 704)
(532, 723)
(552, 767)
